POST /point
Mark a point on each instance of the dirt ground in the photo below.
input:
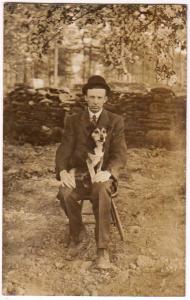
(151, 204)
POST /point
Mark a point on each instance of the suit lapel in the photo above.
(104, 120)
(85, 122)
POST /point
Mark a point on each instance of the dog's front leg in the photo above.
(91, 170)
(99, 167)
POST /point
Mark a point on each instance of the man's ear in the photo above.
(105, 99)
(85, 97)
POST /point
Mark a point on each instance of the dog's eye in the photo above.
(96, 131)
(103, 131)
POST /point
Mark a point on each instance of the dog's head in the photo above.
(99, 135)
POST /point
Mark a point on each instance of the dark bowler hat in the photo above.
(96, 81)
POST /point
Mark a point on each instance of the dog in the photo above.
(95, 160)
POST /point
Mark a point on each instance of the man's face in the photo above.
(95, 99)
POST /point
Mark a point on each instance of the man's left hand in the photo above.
(102, 176)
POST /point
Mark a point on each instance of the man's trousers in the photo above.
(99, 195)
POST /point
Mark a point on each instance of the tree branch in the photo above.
(80, 17)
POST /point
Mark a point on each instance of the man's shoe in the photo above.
(72, 250)
(77, 247)
(103, 261)
(84, 240)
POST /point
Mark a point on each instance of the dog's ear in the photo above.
(108, 128)
(91, 142)
(92, 127)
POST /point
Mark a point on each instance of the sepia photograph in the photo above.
(94, 149)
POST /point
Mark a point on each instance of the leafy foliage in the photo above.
(126, 32)
(151, 31)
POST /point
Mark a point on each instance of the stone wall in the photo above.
(37, 116)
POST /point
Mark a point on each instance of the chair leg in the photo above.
(117, 219)
(113, 217)
(81, 204)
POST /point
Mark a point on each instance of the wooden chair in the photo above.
(114, 215)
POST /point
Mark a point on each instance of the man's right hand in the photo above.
(68, 179)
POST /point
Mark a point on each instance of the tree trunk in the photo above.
(90, 60)
(56, 58)
(36, 69)
(143, 67)
(25, 75)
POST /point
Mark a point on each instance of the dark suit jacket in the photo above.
(77, 142)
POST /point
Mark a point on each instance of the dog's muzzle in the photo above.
(101, 138)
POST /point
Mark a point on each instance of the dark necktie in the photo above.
(94, 120)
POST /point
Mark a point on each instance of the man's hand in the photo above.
(68, 179)
(102, 176)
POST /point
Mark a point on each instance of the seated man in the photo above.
(71, 159)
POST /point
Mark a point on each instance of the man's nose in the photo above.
(95, 100)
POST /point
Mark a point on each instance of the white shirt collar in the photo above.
(91, 114)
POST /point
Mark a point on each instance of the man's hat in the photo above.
(96, 81)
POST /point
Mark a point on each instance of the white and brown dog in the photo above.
(95, 159)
